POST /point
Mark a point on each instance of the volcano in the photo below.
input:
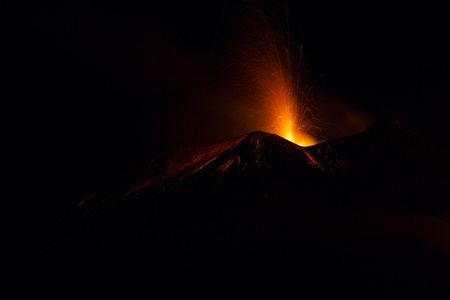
(366, 215)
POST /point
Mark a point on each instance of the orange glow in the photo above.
(272, 77)
(284, 102)
(283, 115)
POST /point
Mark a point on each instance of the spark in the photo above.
(271, 76)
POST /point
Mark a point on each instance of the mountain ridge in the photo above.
(259, 205)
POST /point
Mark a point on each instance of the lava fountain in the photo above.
(267, 68)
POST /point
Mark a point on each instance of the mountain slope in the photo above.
(364, 215)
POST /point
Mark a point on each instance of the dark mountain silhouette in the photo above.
(362, 216)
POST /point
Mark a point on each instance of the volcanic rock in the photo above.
(366, 215)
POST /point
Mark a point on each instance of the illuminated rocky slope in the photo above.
(364, 215)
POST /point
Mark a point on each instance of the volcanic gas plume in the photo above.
(266, 71)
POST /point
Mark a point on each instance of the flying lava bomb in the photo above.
(263, 62)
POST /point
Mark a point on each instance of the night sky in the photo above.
(91, 88)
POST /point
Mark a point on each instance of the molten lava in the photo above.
(285, 100)
(268, 71)
(299, 138)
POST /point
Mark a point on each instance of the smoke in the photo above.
(339, 117)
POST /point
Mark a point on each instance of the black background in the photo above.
(87, 85)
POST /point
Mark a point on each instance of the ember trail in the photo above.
(267, 69)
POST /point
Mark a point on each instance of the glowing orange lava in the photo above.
(284, 101)
(285, 112)
(271, 75)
